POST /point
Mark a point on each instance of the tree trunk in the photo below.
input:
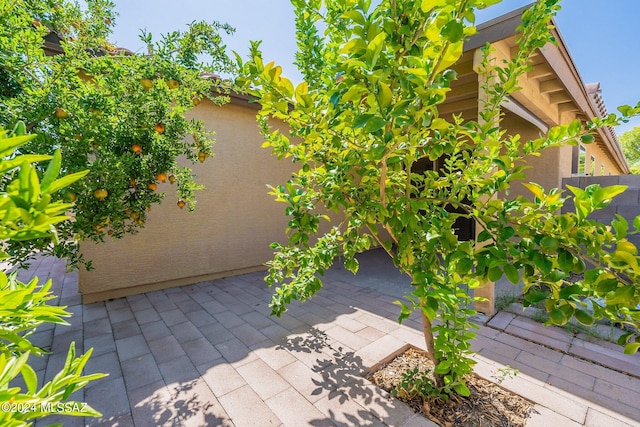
(428, 338)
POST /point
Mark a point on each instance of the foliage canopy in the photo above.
(118, 114)
(365, 121)
(630, 142)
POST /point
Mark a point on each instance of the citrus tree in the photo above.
(119, 114)
(361, 124)
(630, 142)
(30, 210)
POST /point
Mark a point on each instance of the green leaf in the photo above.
(606, 285)
(558, 317)
(623, 295)
(534, 296)
(512, 274)
(584, 317)
(484, 236)
(52, 172)
(374, 124)
(428, 5)
(30, 378)
(603, 196)
(384, 94)
(534, 188)
(627, 258)
(453, 31)
(464, 265)
(574, 127)
(542, 262)
(495, 274)
(451, 56)
(506, 233)
(361, 120)
(632, 348)
(8, 145)
(624, 338)
(627, 246)
(405, 312)
(443, 367)
(67, 180)
(375, 47)
(8, 164)
(354, 15)
(549, 244)
(567, 291)
(462, 390)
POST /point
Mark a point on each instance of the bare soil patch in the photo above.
(489, 405)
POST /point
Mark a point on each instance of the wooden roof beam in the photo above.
(539, 72)
(559, 98)
(566, 107)
(551, 86)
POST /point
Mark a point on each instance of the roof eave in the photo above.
(505, 26)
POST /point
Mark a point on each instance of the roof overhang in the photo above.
(556, 78)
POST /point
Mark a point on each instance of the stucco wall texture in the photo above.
(229, 233)
(236, 219)
(554, 163)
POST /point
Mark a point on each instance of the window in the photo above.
(592, 166)
(602, 170)
(582, 161)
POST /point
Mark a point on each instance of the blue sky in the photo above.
(602, 36)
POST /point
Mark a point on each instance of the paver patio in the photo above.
(210, 354)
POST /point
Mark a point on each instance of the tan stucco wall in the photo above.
(230, 232)
(547, 169)
(611, 168)
(554, 163)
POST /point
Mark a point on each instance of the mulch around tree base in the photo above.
(489, 405)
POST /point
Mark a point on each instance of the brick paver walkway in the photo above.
(210, 354)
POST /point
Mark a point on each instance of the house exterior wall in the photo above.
(553, 164)
(229, 233)
(610, 167)
(548, 169)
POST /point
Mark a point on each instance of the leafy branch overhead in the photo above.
(375, 154)
(122, 115)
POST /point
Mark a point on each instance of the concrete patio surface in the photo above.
(209, 354)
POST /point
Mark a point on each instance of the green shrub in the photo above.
(29, 209)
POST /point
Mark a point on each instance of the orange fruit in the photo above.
(61, 113)
(181, 204)
(136, 148)
(159, 127)
(152, 186)
(162, 177)
(172, 178)
(172, 84)
(146, 83)
(100, 194)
